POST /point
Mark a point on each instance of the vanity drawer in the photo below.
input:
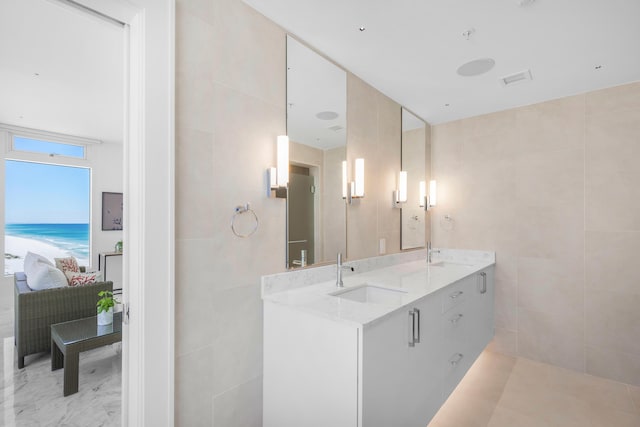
(457, 364)
(455, 294)
(455, 323)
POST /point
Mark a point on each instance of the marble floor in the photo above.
(32, 397)
(504, 391)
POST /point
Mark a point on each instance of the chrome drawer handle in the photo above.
(483, 286)
(456, 359)
(414, 327)
(456, 319)
(456, 294)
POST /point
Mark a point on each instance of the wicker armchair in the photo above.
(36, 311)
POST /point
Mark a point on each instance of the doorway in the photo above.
(148, 337)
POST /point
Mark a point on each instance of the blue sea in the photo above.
(73, 238)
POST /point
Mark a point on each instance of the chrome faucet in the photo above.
(339, 268)
(431, 251)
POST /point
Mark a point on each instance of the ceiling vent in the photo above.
(336, 128)
(520, 77)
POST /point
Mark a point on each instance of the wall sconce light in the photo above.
(432, 193)
(400, 195)
(423, 194)
(278, 177)
(429, 201)
(345, 180)
(354, 189)
(358, 185)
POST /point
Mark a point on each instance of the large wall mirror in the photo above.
(413, 216)
(317, 130)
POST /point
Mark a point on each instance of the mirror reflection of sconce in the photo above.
(429, 201)
(279, 176)
(354, 189)
(400, 194)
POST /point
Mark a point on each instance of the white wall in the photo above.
(106, 175)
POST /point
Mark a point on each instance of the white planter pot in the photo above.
(106, 317)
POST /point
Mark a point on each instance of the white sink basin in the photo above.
(371, 294)
(449, 264)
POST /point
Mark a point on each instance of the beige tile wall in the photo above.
(230, 106)
(373, 133)
(554, 188)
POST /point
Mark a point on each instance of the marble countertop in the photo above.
(416, 279)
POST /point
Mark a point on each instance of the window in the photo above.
(47, 211)
(52, 148)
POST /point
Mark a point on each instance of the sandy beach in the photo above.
(19, 246)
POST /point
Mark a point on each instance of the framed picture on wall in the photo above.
(112, 211)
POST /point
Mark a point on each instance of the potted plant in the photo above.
(105, 305)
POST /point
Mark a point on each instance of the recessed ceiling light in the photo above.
(327, 115)
(362, 28)
(476, 67)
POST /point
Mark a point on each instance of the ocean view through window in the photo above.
(47, 211)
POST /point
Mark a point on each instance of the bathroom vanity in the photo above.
(385, 350)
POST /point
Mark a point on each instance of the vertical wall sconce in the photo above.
(429, 201)
(432, 193)
(353, 189)
(283, 160)
(400, 195)
(358, 185)
(279, 176)
(345, 180)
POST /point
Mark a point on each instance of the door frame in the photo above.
(149, 204)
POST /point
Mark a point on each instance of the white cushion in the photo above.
(31, 259)
(43, 275)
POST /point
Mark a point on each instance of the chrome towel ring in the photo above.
(239, 210)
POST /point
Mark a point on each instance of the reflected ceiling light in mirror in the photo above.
(400, 195)
(278, 177)
(327, 115)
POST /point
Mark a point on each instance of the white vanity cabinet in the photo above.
(467, 325)
(396, 370)
(400, 375)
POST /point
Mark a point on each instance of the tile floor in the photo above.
(504, 391)
(32, 397)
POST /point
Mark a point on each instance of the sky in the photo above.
(37, 193)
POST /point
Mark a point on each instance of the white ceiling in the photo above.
(315, 85)
(411, 49)
(79, 61)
